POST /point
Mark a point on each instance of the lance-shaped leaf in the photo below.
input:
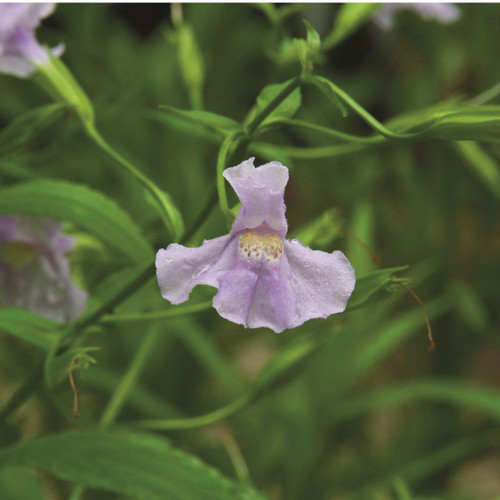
(456, 392)
(375, 286)
(85, 207)
(29, 126)
(286, 109)
(191, 64)
(349, 18)
(326, 87)
(197, 122)
(132, 464)
(29, 327)
(453, 122)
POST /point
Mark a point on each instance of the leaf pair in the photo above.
(215, 127)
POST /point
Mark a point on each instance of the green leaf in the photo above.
(89, 209)
(282, 367)
(270, 152)
(29, 127)
(185, 125)
(209, 126)
(191, 63)
(375, 286)
(456, 392)
(56, 368)
(307, 49)
(412, 466)
(350, 18)
(212, 121)
(482, 165)
(326, 87)
(110, 287)
(56, 79)
(442, 458)
(284, 110)
(313, 39)
(175, 220)
(371, 345)
(471, 308)
(201, 344)
(389, 336)
(269, 10)
(137, 465)
(453, 122)
(29, 327)
(19, 484)
(321, 231)
(480, 123)
(276, 16)
(16, 170)
(302, 50)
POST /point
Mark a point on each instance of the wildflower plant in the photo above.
(224, 147)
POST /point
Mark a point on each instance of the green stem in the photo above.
(148, 316)
(122, 392)
(221, 165)
(189, 423)
(87, 320)
(77, 492)
(487, 95)
(335, 133)
(129, 379)
(236, 457)
(234, 145)
(26, 389)
(56, 79)
(314, 153)
(260, 117)
(401, 489)
(165, 210)
(365, 115)
(210, 204)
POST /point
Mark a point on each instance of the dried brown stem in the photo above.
(432, 344)
(73, 388)
(361, 243)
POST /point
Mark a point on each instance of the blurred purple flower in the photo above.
(19, 50)
(263, 279)
(34, 272)
(444, 13)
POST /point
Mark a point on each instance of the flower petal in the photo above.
(8, 228)
(321, 282)
(306, 284)
(39, 277)
(261, 192)
(438, 11)
(252, 293)
(179, 269)
(16, 66)
(235, 295)
(26, 15)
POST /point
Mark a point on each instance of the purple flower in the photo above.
(444, 13)
(34, 272)
(20, 52)
(263, 280)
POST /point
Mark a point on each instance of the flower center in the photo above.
(17, 254)
(254, 247)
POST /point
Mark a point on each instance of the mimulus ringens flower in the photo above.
(263, 280)
(444, 13)
(20, 52)
(34, 272)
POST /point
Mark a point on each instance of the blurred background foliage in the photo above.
(370, 414)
